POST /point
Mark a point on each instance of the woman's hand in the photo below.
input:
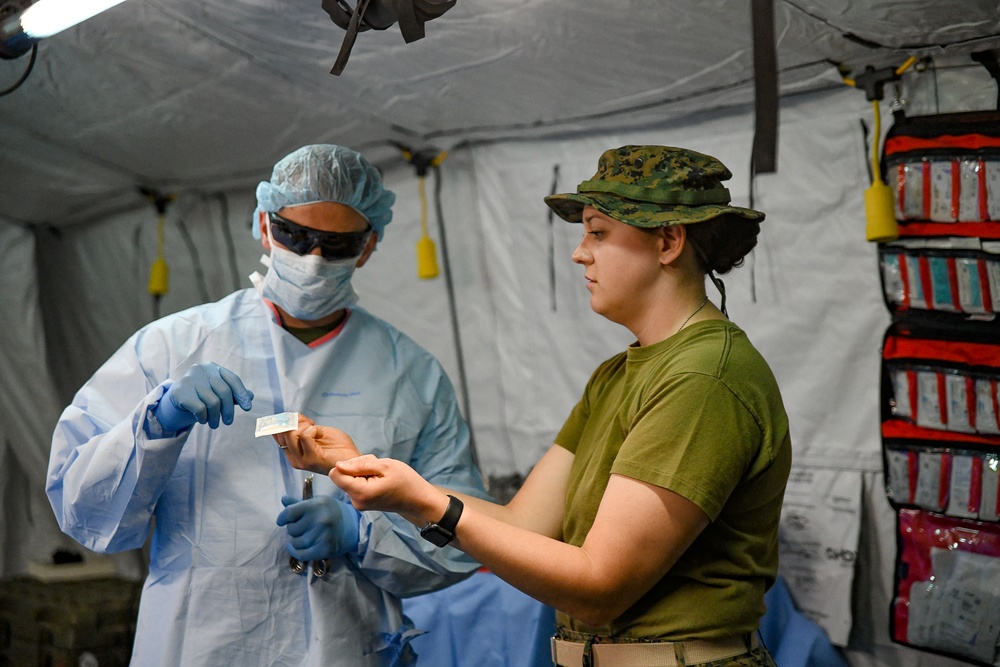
(388, 485)
(316, 448)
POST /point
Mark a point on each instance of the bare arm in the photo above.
(639, 533)
(539, 504)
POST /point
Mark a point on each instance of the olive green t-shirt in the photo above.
(699, 414)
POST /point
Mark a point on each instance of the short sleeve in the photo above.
(693, 436)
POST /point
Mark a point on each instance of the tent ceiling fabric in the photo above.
(187, 95)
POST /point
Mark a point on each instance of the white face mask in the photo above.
(308, 287)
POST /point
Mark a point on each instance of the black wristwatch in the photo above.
(441, 533)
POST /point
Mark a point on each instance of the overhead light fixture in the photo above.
(20, 29)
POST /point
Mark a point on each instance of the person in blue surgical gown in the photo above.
(161, 441)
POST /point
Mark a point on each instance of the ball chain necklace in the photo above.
(684, 323)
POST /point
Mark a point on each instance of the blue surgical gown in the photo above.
(219, 589)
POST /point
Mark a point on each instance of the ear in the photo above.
(369, 249)
(673, 240)
(264, 236)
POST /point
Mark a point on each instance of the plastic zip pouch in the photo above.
(947, 594)
(956, 611)
(958, 482)
(948, 399)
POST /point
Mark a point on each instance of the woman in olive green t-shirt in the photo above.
(651, 524)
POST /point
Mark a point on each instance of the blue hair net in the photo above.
(325, 172)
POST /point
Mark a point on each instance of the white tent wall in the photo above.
(27, 405)
(809, 298)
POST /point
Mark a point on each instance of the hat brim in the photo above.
(569, 207)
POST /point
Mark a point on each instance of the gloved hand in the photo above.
(321, 527)
(206, 393)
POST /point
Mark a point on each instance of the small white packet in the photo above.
(928, 400)
(910, 206)
(917, 297)
(895, 290)
(279, 423)
(970, 290)
(957, 396)
(986, 416)
(928, 493)
(898, 468)
(990, 485)
(944, 202)
(971, 198)
(902, 402)
(960, 500)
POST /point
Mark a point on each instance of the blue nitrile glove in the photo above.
(321, 527)
(206, 393)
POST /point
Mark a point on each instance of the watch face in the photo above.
(436, 535)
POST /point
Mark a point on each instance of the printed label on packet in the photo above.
(970, 293)
(279, 423)
(912, 182)
(941, 192)
(956, 388)
(960, 489)
(928, 493)
(928, 401)
(969, 194)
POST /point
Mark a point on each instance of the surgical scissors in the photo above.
(319, 567)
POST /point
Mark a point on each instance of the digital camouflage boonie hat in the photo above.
(653, 186)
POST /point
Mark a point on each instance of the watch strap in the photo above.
(442, 532)
(451, 515)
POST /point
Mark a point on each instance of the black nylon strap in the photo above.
(765, 72)
(411, 28)
(349, 37)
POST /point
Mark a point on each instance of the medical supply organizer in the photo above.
(940, 413)
(89, 622)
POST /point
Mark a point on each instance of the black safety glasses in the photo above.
(301, 240)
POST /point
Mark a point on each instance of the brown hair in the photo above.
(721, 244)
